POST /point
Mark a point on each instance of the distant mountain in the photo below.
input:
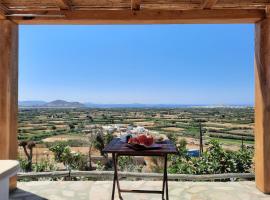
(52, 104)
(63, 104)
(31, 103)
(66, 104)
(138, 105)
(132, 105)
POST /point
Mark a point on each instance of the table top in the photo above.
(121, 148)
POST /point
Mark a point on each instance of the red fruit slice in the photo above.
(142, 138)
(135, 141)
(149, 141)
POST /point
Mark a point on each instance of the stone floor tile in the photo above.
(101, 190)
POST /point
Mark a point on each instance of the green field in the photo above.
(229, 125)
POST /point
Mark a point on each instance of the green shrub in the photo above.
(102, 140)
(100, 166)
(58, 150)
(172, 137)
(72, 160)
(99, 142)
(23, 164)
(127, 163)
(44, 165)
(214, 161)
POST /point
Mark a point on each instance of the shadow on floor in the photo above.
(20, 194)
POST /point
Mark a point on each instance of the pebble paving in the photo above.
(101, 190)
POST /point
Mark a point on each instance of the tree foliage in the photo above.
(214, 161)
(72, 160)
(101, 140)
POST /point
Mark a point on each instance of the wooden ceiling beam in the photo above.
(145, 17)
(64, 4)
(135, 4)
(3, 11)
(208, 4)
(2, 15)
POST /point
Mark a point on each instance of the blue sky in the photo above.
(178, 64)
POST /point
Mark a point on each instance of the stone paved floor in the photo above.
(101, 190)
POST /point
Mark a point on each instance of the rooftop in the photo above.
(101, 190)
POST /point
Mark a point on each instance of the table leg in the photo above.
(117, 179)
(164, 177)
(114, 177)
(165, 188)
(165, 169)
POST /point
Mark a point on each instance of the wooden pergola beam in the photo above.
(64, 4)
(2, 15)
(208, 4)
(135, 4)
(3, 11)
(143, 17)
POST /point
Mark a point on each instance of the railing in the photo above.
(108, 175)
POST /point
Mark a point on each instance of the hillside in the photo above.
(31, 103)
(52, 104)
(63, 104)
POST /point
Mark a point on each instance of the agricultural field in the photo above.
(45, 126)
